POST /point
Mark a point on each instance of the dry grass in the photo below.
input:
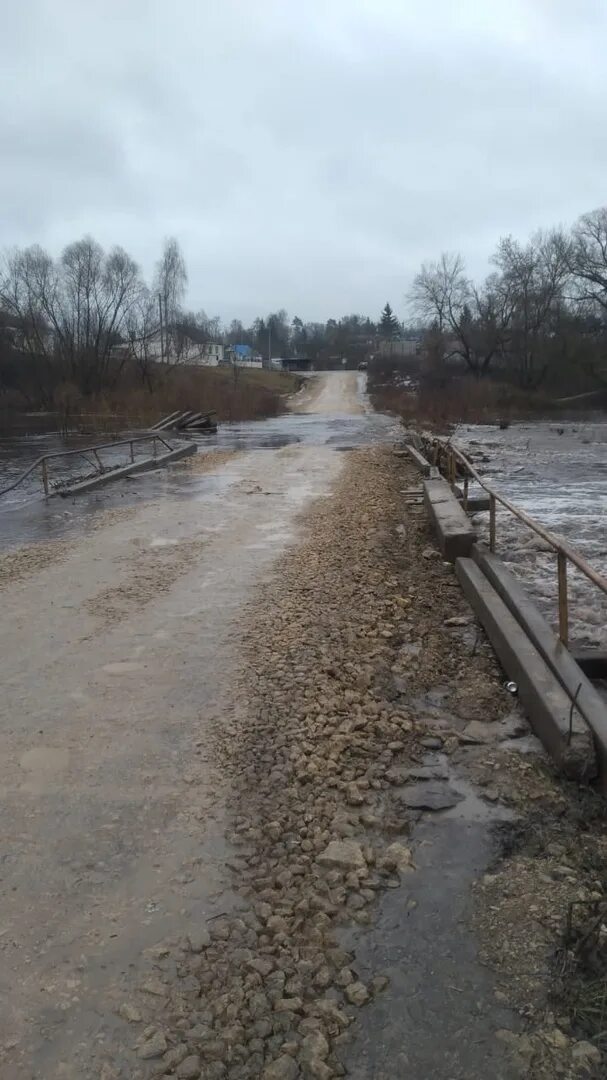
(251, 395)
(461, 399)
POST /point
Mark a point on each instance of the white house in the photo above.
(182, 349)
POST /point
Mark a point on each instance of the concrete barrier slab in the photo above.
(454, 532)
(547, 704)
(557, 656)
(419, 460)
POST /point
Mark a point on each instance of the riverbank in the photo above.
(463, 399)
(234, 394)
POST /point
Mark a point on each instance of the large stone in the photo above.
(313, 1046)
(346, 854)
(396, 857)
(586, 1055)
(129, 1012)
(430, 796)
(189, 1068)
(357, 993)
(292, 1004)
(476, 732)
(284, 1068)
(153, 1047)
(199, 940)
(426, 772)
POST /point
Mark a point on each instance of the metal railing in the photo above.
(447, 457)
(42, 462)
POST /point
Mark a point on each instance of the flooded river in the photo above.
(557, 473)
(26, 516)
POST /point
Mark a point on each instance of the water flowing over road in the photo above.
(331, 412)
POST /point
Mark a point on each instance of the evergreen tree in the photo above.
(388, 325)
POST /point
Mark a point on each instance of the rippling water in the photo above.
(557, 473)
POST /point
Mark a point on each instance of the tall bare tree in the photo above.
(71, 312)
(473, 323)
(170, 283)
(588, 259)
(532, 278)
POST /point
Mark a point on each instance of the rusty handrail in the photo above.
(82, 452)
(563, 550)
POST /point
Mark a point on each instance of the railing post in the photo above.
(563, 599)
(45, 476)
(132, 450)
(491, 522)
(466, 492)
(451, 466)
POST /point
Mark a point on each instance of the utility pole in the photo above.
(161, 329)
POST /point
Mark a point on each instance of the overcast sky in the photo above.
(307, 154)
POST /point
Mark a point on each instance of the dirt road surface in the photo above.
(114, 656)
(242, 799)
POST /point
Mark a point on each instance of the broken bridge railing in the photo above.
(89, 453)
(447, 457)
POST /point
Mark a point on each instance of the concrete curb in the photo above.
(556, 655)
(453, 530)
(419, 460)
(546, 703)
(129, 470)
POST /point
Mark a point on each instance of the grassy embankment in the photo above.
(248, 394)
(463, 399)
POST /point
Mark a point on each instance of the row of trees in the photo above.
(67, 315)
(276, 335)
(544, 305)
(85, 317)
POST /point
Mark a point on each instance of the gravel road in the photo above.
(254, 754)
(115, 650)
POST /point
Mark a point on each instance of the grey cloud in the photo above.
(307, 156)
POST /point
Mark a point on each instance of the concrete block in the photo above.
(419, 460)
(546, 703)
(557, 656)
(454, 532)
(476, 503)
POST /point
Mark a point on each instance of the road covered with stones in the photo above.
(402, 856)
(268, 810)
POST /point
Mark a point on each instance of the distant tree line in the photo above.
(85, 320)
(540, 314)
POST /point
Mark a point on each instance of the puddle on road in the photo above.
(439, 1016)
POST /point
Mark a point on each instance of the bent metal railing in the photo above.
(447, 457)
(42, 462)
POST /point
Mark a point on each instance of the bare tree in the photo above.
(532, 278)
(588, 258)
(141, 331)
(73, 311)
(473, 323)
(170, 283)
(440, 292)
(29, 289)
